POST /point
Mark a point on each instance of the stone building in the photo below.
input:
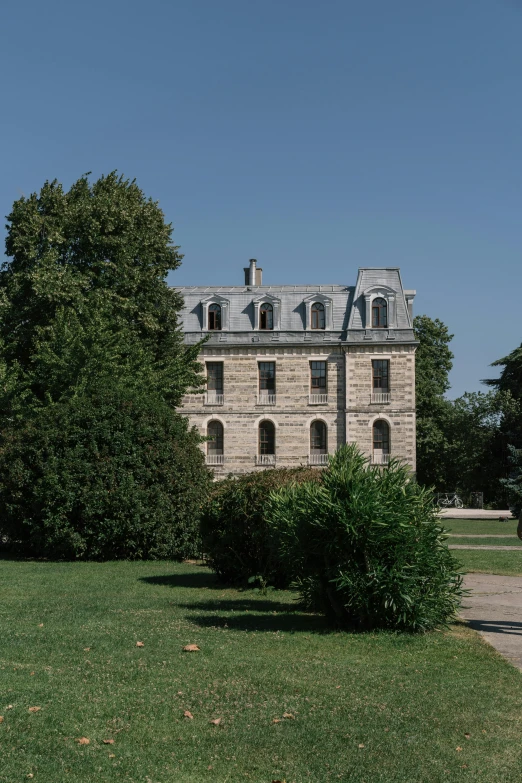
(296, 370)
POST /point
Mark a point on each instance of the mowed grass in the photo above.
(364, 708)
(490, 562)
(487, 562)
(480, 526)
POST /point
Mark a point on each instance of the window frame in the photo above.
(219, 439)
(214, 313)
(322, 449)
(266, 425)
(217, 390)
(266, 309)
(260, 378)
(385, 449)
(379, 376)
(318, 314)
(319, 389)
(379, 308)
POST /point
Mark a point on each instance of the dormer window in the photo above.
(318, 319)
(266, 316)
(379, 313)
(214, 317)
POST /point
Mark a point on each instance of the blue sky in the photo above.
(314, 136)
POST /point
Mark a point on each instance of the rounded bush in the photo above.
(365, 546)
(111, 475)
(236, 538)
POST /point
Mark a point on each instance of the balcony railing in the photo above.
(266, 398)
(215, 459)
(381, 398)
(265, 459)
(318, 399)
(214, 398)
(318, 459)
(380, 459)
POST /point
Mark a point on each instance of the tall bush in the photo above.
(236, 537)
(108, 475)
(365, 546)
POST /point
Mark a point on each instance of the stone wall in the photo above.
(348, 413)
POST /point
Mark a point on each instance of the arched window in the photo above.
(379, 313)
(318, 434)
(318, 321)
(266, 316)
(266, 438)
(215, 433)
(214, 317)
(381, 442)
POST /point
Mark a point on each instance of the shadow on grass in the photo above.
(290, 622)
(194, 579)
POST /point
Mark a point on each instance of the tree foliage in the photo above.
(235, 532)
(364, 546)
(433, 362)
(92, 365)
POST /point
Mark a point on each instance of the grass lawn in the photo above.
(513, 541)
(476, 526)
(363, 708)
(495, 562)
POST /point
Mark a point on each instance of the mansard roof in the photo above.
(347, 323)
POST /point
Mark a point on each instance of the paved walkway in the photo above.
(473, 513)
(481, 535)
(513, 548)
(494, 609)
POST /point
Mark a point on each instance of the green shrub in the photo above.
(365, 546)
(236, 538)
(109, 475)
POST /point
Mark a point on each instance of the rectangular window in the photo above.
(215, 377)
(381, 375)
(267, 377)
(317, 377)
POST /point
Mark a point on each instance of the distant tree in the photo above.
(513, 485)
(94, 459)
(510, 379)
(433, 362)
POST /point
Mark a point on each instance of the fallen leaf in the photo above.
(216, 721)
(188, 714)
(40, 625)
(337, 686)
(9, 706)
(83, 741)
(32, 674)
(108, 742)
(34, 709)
(468, 736)
(361, 745)
(463, 766)
(386, 729)
(288, 715)
(86, 649)
(191, 648)
(30, 775)
(112, 755)
(458, 749)
(276, 720)
(140, 644)
(1, 718)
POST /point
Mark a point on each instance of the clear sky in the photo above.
(314, 135)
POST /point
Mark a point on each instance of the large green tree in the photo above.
(94, 459)
(433, 362)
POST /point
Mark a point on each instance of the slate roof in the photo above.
(347, 302)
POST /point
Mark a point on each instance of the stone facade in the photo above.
(349, 406)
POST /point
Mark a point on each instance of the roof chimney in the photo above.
(253, 276)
